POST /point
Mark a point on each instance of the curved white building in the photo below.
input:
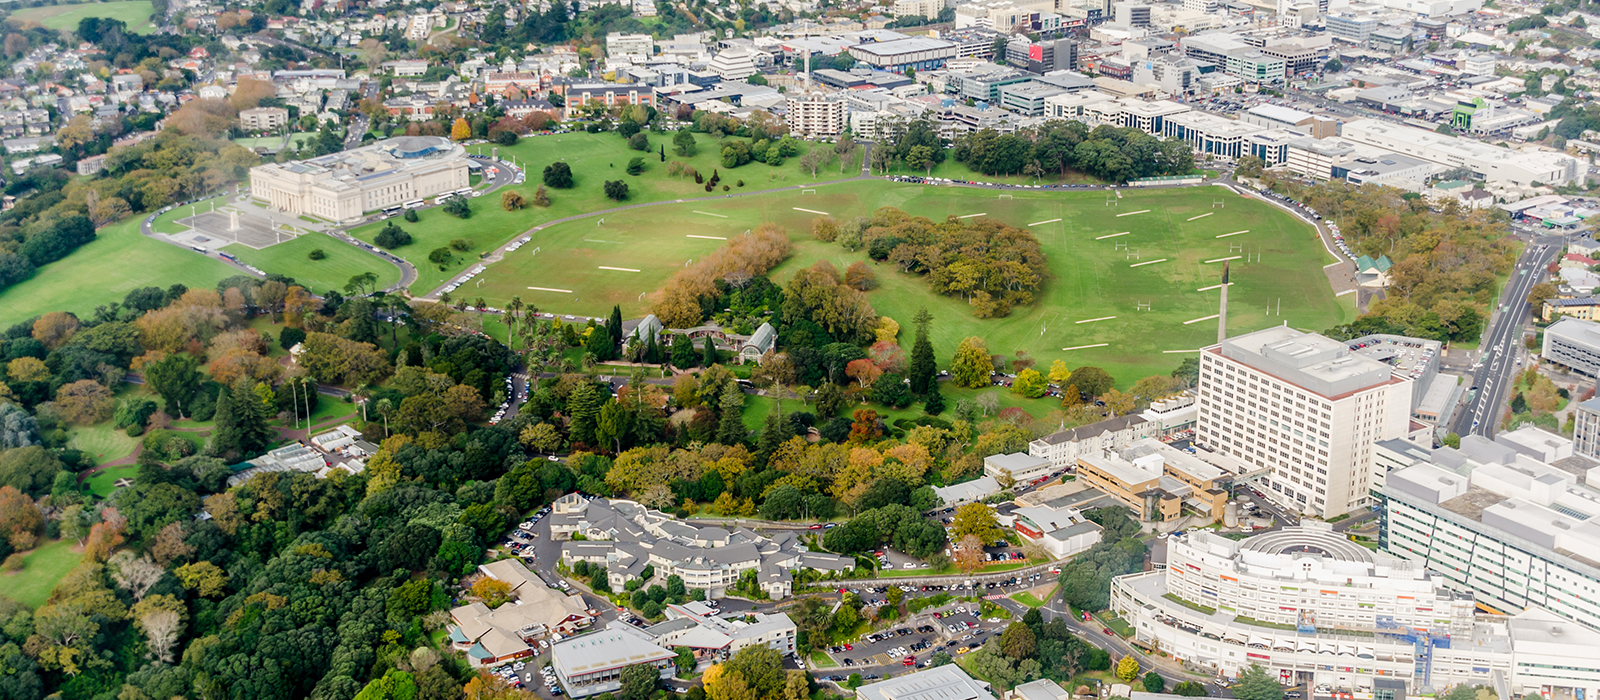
(1318, 609)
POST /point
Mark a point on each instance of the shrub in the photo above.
(392, 236)
(616, 190)
(317, 254)
(411, 216)
(461, 244)
(558, 175)
(457, 206)
(636, 165)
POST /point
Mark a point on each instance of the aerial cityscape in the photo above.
(800, 350)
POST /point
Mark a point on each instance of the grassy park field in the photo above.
(342, 262)
(136, 13)
(1123, 308)
(119, 260)
(41, 569)
(594, 158)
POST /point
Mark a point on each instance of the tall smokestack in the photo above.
(1222, 308)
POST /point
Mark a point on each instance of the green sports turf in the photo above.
(41, 569)
(594, 158)
(135, 13)
(343, 261)
(119, 260)
(1090, 278)
(104, 482)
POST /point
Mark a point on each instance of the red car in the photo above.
(847, 647)
(910, 660)
(817, 526)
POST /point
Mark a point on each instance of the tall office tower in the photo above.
(1307, 408)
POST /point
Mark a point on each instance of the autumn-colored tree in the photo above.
(204, 578)
(969, 557)
(971, 367)
(27, 369)
(978, 520)
(250, 91)
(492, 591)
(55, 328)
(864, 371)
(84, 402)
(860, 277)
(20, 520)
(1127, 668)
(865, 427)
(460, 130)
(512, 201)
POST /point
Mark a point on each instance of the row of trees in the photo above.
(1112, 154)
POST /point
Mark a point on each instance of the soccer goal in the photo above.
(1144, 306)
(808, 191)
(1111, 199)
(1132, 255)
(1218, 204)
(1007, 196)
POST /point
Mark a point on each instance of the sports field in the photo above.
(119, 260)
(594, 158)
(136, 13)
(1125, 275)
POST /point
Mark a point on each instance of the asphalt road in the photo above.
(1501, 350)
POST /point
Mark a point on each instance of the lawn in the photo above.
(41, 569)
(1027, 599)
(103, 442)
(1090, 312)
(103, 482)
(594, 158)
(118, 261)
(136, 13)
(342, 261)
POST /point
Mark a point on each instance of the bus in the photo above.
(413, 204)
(393, 211)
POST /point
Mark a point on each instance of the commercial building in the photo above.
(592, 664)
(626, 537)
(1209, 133)
(1040, 57)
(1063, 448)
(263, 118)
(1314, 608)
(634, 47)
(1573, 343)
(1018, 467)
(1586, 429)
(1488, 162)
(916, 53)
(733, 64)
(946, 682)
(1157, 481)
(1514, 521)
(1279, 117)
(714, 639)
(814, 115)
(342, 186)
(967, 491)
(1061, 531)
(609, 95)
(1305, 407)
(1355, 29)
(1253, 66)
(490, 637)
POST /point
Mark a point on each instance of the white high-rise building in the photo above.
(733, 64)
(815, 116)
(634, 47)
(1307, 408)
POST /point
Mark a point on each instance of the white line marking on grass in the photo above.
(550, 289)
(1202, 216)
(1214, 286)
(1085, 347)
(1131, 213)
(1216, 260)
(808, 211)
(709, 238)
(596, 240)
(1347, 291)
(1202, 318)
(972, 215)
(1341, 262)
(1235, 233)
(1092, 320)
(1169, 352)
(1148, 262)
(1112, 235)
(707, 213)
(1041, 223)
(618, 269)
